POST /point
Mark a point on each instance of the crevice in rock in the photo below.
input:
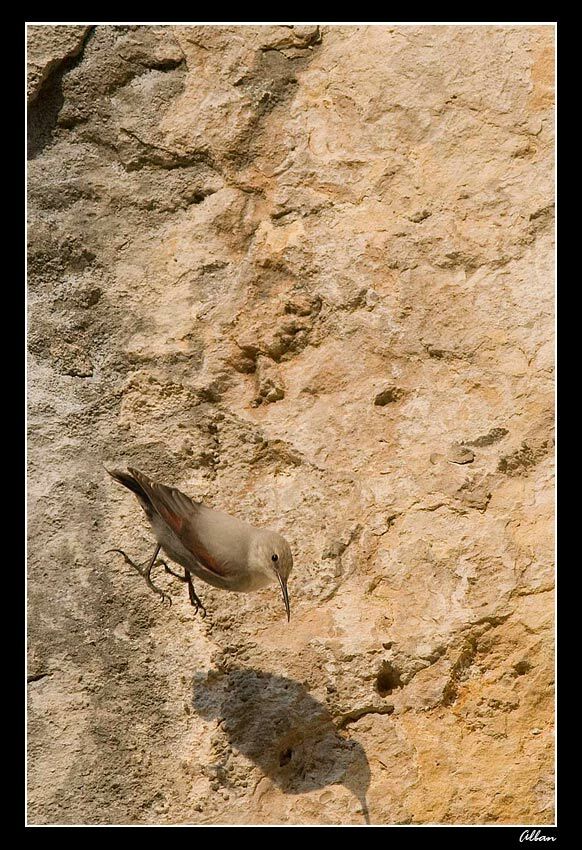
(388, 679)
(493, 436)
(271, 83)
(460, 670)
(528, 455)
(337, 547)
(388, 395)
(152, 154)
(37, 677)
(358, 713)
(285, 757)
(43, 111)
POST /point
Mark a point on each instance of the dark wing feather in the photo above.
(179, 512)
(132, 484)
(128, 481)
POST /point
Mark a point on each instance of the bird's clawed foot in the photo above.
(145, 569)
(196, 601)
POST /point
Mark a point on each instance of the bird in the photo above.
(217, 548)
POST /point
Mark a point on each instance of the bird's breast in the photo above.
(251, 581)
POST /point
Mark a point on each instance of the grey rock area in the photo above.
(306, 275)
(52, 47)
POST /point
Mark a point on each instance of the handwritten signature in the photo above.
(535, 835)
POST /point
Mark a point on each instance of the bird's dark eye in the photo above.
(274, 557)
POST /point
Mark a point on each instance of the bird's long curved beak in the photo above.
(285, 592)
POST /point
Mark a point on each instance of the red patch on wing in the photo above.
(201, 554)
(175, 522)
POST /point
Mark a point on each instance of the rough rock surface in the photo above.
(305, 274)
(50, 47)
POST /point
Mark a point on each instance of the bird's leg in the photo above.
(149, 582)
(176, 575)
(145, 569)
(195, 600)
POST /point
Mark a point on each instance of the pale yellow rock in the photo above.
(306, 275)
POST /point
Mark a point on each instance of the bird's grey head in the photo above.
(273, 557)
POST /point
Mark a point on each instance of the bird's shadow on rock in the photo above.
(286, 732)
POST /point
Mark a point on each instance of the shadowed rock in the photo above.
(275, 722)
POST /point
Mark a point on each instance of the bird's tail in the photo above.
(128, 481)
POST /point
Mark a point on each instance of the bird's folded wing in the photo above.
(179, 512)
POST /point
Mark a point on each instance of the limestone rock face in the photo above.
(304, 274)
(48, 50)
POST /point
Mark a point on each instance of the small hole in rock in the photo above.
(522, 667)
(388, 679)
(285, 757)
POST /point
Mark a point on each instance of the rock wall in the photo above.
(305, 274)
